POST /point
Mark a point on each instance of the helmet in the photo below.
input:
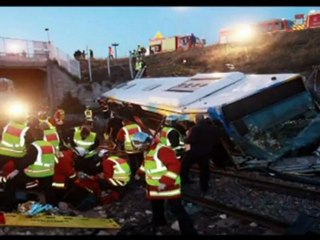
(141, 140)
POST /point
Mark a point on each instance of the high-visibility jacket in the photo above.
(47, 121)
(59, 116)
(46, 159)
(165, 140)
(138, 65)
(85, 143)
(157, 172)
(130, 130)
(116, 170)
(52, 136)
(13, 140)
(88, 114)
(64, 170)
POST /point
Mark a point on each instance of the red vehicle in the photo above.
(160, 45)
(302, 22)
(275, 25)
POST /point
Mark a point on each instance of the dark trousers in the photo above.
(19, 182)
(135, 161)
(203, 162)
(4, 159)
(175, 206)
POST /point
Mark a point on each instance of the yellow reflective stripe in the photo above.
(142, 168)
(74, 175)
(171, 175)
(165, 193)
(79, 142)
(31, 184)
(12, 150)
(3, 179)
(113, 182)
(58, 185)
(119, 182)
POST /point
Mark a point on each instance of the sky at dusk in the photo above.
(72, 28)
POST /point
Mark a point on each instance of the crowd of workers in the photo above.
(73, 165)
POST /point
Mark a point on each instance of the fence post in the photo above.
(130, 66)
(108, 65)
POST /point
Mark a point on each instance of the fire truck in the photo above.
(243, 33)
(309, 21)
(169, 44)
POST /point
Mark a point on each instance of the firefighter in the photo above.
(38, 163)
(85, 142)
(138, 65)
(116, 172)
(162, 175)
(124, 142)
(170, 136)
(88, 115)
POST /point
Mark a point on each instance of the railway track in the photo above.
(280, 226)
(265, 184)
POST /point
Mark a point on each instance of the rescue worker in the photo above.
(113, 127)
(85, 142)
(59, 118)
(116, 172)
(162, 175)
(44, 117)
(88, 115)
(124, 142)
(15, 138)
(51, 135)
(67, 185)
(104, 108)
(37, 164)
(170, 136)
(200, 144)
(138, 66)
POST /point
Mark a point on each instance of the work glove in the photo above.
(137, 177)
(102, 152)
(13, 174)
(161, 186)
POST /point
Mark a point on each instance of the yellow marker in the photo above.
(20, 220)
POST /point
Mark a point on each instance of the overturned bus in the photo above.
(271, 120)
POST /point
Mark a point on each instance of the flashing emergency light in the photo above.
(244, 33)
(17, 109)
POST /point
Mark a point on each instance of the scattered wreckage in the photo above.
(271, 121)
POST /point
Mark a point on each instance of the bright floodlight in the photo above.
(312, 11)
(18, 109)
(244, 33)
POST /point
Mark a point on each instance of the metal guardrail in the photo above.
(27, 51)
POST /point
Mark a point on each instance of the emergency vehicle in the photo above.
(242, 33)
(309, 21)
(161, 44)
(269, 118)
